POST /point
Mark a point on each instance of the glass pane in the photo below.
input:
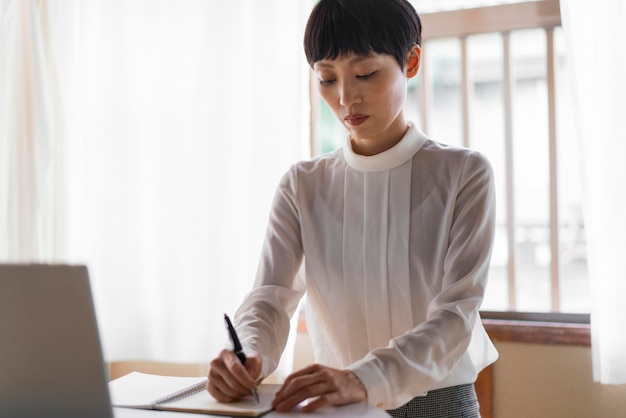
(574, 279)
(486, 108)
(443, 59)
(412, 110)
(531, 170)
(497, 295)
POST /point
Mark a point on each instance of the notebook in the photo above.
(183, 394)
(51, 362)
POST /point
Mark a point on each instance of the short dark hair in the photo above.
(340, 27)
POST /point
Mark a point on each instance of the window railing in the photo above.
(521, 232)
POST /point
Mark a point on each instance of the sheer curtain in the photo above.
(595, 37)
(28, 130)
(156, 132)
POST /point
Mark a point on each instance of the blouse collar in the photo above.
(395, 156)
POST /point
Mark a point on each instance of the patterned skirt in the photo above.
(453, 402)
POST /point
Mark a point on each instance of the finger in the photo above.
(220, 390)
(299, 379)
(221, 377)
(238, 371)
(253, 367)
(234, 384)
(325, 386)
(218, 386)
(308, 370)
(286, 402)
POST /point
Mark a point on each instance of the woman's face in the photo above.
(367, 93)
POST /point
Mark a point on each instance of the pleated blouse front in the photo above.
(396, 250)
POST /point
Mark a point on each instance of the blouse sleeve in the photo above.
(415, 362)
(263, 318)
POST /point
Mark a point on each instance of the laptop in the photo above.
(51, 362)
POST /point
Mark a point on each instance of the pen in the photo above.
(238, 350)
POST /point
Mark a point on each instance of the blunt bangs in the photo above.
(340, 27)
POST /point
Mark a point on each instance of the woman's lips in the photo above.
(356, 119)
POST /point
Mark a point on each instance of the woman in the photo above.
(396, 230)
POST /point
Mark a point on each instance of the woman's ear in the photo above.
(413, 61)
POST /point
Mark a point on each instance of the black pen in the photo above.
(238, 350)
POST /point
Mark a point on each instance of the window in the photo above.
(494, 79)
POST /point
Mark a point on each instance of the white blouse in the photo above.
(397, 249)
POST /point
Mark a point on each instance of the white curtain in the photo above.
(28, 129)
(596, 43)
(145, 139)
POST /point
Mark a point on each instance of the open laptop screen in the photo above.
(51, 362)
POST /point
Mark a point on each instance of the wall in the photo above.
(551, 381)
(121, 368)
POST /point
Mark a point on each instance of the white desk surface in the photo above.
(353, 410)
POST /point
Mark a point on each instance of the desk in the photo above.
(353, 410)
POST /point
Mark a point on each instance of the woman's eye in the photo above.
(326, 82)
(366, 76)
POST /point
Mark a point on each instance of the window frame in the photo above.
(515, 326)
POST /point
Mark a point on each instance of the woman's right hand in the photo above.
(229, 380)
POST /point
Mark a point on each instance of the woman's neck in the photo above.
(381, 142)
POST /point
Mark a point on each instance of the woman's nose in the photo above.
(349, 94)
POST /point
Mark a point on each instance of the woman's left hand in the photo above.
(322, 385)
